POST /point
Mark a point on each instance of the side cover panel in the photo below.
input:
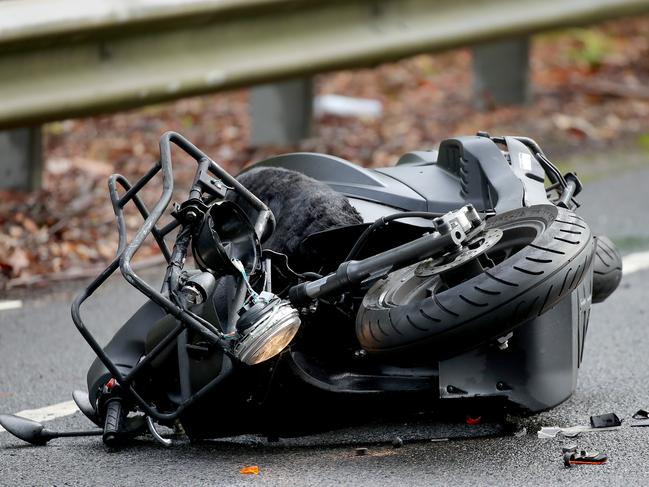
(539, 368)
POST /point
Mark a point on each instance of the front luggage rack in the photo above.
(203, 183)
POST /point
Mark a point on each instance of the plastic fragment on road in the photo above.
(250, 470)
(521, 432)
(605, 420)
(573, 457)
(641, 419)
(601, 422)
(547, 432)
(361, 452)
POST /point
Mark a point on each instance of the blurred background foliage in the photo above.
(590, 94)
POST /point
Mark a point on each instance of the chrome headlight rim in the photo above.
(269, 335)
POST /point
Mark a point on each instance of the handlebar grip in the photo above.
(113, 422)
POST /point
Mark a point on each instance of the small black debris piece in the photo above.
(605, 421)
(397, 442)
(569, 448)
(641, 414)
(360, 452)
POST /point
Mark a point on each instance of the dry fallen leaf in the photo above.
(251, 470)
(18, 261)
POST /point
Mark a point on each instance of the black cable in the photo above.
(550, 169)
(382, 222)
(311, 276)
(308, 276)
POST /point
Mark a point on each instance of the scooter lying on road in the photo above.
(309, 293)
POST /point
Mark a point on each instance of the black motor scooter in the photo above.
(309, 287)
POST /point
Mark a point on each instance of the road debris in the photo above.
(641, 419)
(601, 422)
(250, 470)
(360, 452)
(397, 442)
(573, 457)
(547, 432)
(605, 420)
(521, 432)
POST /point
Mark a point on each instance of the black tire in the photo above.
(550, 252)
(607, 269)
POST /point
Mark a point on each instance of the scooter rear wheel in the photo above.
(607, 269)
(543, 255)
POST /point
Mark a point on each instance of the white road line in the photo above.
(635, 262)
(48, 413)
(14, 304)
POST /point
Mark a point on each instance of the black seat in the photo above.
(351, 180)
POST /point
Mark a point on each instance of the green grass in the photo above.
(643, 142)
(631, 243)
(594, 166)
(593, 46)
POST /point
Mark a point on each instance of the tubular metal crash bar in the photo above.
(126, 251)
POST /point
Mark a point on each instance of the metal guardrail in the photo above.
(65, 58)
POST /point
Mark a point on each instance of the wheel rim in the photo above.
(408, 285)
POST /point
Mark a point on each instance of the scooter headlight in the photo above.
(266, 329)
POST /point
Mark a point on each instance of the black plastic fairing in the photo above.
(528, 170)
(378, 378)
(439, 188)
(126, 347)
(486, 178)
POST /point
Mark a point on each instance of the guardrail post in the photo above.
(21, 160)
(280, 113)
(500, 73)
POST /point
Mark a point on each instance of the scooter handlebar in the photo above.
(356, 271)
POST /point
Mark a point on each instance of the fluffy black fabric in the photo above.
(301, 206)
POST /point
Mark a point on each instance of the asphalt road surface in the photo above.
(42, 359)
